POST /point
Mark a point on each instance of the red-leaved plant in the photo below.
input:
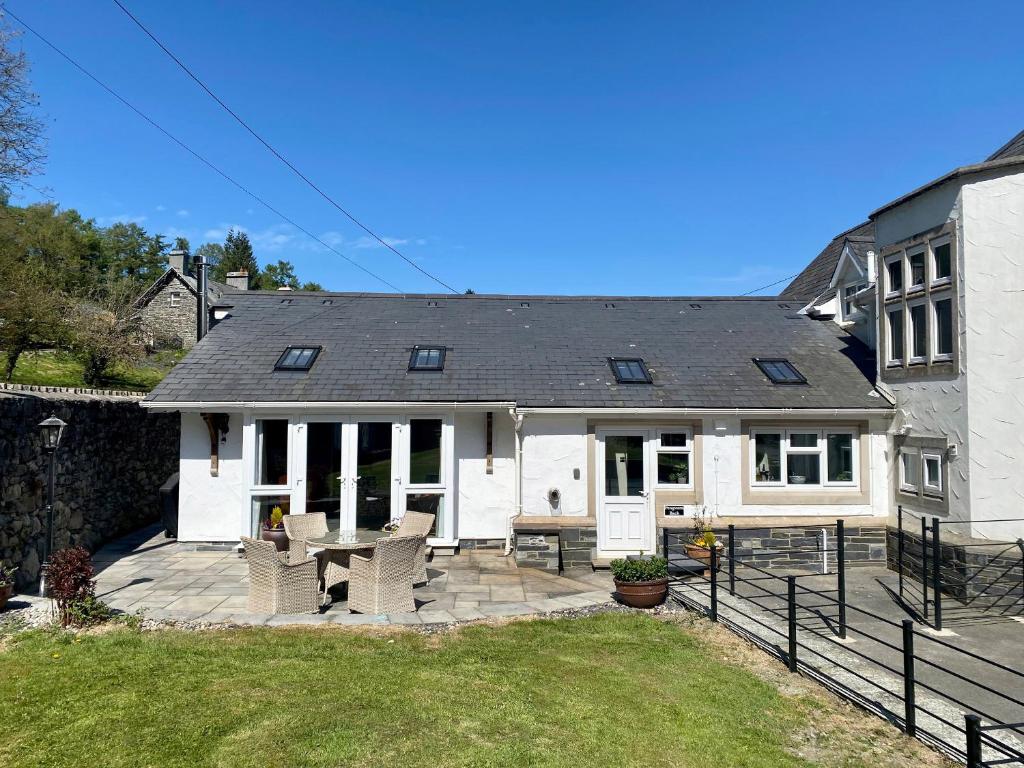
(70, 581)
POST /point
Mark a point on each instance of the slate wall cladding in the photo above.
(796, 547)
(171, 324)
(556, 551)
(980, 576)
(113, 458)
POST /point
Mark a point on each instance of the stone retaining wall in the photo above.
(113, 458)
(555, 550)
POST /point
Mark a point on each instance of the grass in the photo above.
(54, 368)
(613, 689)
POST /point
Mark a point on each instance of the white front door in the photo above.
(625, 522)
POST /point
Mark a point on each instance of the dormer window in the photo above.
(297, 359)
(631, 370)
(849, 291)
(427, 359)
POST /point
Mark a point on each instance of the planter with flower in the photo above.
(703, 540)
(273, 529)
(6, 583)
(641, 583)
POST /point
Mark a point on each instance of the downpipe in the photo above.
(517, 419)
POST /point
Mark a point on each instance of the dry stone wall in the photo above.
(113, 458)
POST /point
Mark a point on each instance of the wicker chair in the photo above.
(417, 524)
(278, 581)
(308, 526)
(383, 583)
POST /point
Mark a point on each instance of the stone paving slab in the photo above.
(170, 582)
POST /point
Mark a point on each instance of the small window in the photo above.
(849, 292)
(524, 304)
(910, 470)
(916, 261)
(286, 301)
(271, 452)
(942, 267)
(327, 302)
(896, 336)
(174, 298)
(427, 359)
(944, 329)
(894, 269)
(696, 306)
(780, 371)
(932, 473)
(918, 333)
(297, 359)
(629, 370)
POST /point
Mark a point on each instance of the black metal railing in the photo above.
(919, 662)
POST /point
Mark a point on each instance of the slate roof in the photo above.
(1013, 148)
(813, 282)
(215, 291)
(552, 353)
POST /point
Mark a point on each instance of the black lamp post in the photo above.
(52, 430)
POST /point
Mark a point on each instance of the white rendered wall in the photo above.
(993, 236)
(208, 507)
(485, 502)
(554, 451)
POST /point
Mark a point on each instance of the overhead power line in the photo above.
(277, 154)
(192, 152)
(748, 293)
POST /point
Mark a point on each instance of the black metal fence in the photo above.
(944, 576)
(923, 684)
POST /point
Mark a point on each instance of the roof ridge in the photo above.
(996, 155)
(491, 296)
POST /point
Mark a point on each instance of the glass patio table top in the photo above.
(347, 539)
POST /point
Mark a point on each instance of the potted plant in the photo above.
(703, 540)
(641, 583)
(6, 583)
(273, 529)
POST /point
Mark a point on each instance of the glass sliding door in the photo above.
(323, 470)
(373, 477)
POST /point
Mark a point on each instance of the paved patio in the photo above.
(147, 572)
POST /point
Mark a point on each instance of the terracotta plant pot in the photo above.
(5, 594)
(277, 536)
(702, 555)
(641, 594)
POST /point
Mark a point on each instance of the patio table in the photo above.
(339, 545)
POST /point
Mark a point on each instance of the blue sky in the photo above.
(592, 147)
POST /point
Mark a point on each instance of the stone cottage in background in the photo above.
(168, 307)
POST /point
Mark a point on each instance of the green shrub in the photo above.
(640, 570)
(87, 611)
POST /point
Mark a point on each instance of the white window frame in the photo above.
(270, 490)
(908, 330)
(933, 264)
(889, 359)
(174, 299)
(687, 449)
(911, 485)
(933, 341)
(931, 489)
(846, 295)
(909, 286)
(896, 258)
(821, 450)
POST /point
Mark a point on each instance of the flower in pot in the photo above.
(703, 540)
(641, 583)
(6, 583)
(273, 529)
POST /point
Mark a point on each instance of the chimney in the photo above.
(202, 305)
(178, 260)
(239, 280)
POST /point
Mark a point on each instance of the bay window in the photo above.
(673, 449)
(804, 456)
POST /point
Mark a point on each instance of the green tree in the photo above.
(312, 286)
(129, 251)
(31, 312)
(279, 275)
(107, 331)
(181, 244)
(214, 253)
(63, 248)
(237, 256)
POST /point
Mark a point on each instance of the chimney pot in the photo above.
(239, 280)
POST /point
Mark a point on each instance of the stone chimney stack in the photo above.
(179, 260)
(239, 280)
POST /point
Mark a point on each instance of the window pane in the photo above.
(942, 261)
(673, 439)
(896, 275)
(768, 455)
(840, 458)
(262, 507)
(918, 331)
(272, 451)
(896, 335)
(803, 468)
(932, 473)
(428, 503)
(674, 468)
(425, 451)
(623, 465)
(911, 469)
(944, 327)
(373, 470)
(323, 468)
(917, 269)
(803, 440)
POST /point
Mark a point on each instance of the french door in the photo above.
(625, 521)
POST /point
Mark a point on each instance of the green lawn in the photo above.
(53, 368)
(610, 690)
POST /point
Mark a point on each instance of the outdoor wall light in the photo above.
(52, 430)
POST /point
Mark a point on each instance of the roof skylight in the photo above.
(427, 359)
(779, 370)
(629, 370)
(297, 359)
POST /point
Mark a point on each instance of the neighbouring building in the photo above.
(168, 307)
(938, 289)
